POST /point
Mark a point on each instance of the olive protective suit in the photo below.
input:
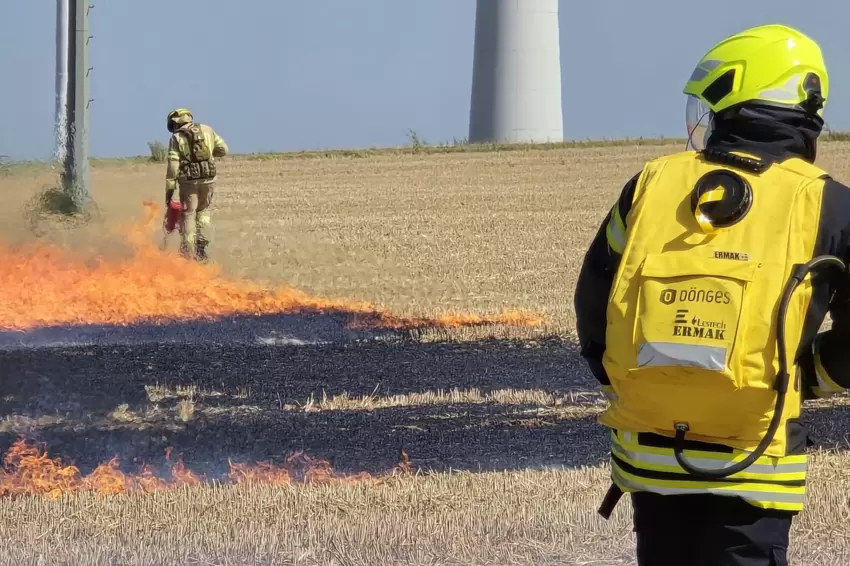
(192, 150)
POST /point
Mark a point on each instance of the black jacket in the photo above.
(776, 135)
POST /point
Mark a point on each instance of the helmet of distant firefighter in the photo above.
(178, 118)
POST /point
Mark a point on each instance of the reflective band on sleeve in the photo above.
(652, 354)
(616, 230)
(826, 386)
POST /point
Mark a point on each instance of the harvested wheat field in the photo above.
(379, 368)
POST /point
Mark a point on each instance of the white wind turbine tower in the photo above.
(516, 76)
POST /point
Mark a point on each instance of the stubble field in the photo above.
(506, 464)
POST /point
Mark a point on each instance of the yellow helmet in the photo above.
(772, 65)
(179, 117)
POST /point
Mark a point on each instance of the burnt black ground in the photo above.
(66, 396)
(88, 402)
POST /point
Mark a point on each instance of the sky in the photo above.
(284, 75)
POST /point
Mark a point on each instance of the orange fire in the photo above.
(28, 470)
(43, 285)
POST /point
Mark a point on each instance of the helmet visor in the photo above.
(698, 118)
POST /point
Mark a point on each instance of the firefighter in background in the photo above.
(192, 150)
(679, 311)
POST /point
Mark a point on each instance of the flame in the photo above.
(28, 470)
(299, 467)
(44, 285)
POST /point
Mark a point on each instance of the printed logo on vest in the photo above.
(668, 296)
(736, 256)
(694, 295)
(696, 327)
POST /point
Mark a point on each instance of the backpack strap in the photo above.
(754, 160)
(804, 168)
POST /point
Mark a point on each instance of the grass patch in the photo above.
(158, 150)
(6, 166)
(54, 200)
(52, 208)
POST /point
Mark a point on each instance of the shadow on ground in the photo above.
(284, 329)
(214, 393)
(212, 400)
(828, 425)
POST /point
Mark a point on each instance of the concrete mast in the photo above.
(516, 76)
(72, 98)
(63, 25)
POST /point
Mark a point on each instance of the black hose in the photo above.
(780, 385)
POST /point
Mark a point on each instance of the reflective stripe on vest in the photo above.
(775, 483)
(682, 355)
(615, 232)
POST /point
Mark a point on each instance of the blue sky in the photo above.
(301, 74)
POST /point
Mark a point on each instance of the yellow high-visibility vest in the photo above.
(692, 318)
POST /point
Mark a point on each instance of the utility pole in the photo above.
(63, 27)
(73, 142)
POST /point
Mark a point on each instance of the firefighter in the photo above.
(685, 318)
(192, 150)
